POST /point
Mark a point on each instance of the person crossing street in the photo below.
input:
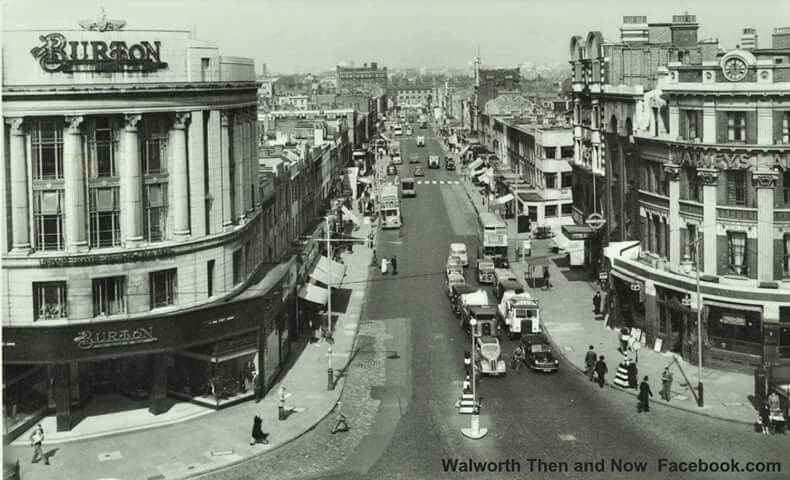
(666, 384)
(601, 370)
(589, 361)
(518, 358)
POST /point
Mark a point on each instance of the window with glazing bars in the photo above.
(163, 288)
(155, 135)
(48, 219)
(736, 126)
(109, 296)
(736, 187)
(736, 245)
(46, 142)
(155, 215)
(105, 212)
(101, 148)
(49, 300)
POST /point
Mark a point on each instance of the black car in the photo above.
(392, 170)
(540, 358)
(449, 164)
(501, 262)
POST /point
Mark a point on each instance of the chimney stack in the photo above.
(634, 29)
(684, 30)
(318, 135)
(781, 38)
(749, 39)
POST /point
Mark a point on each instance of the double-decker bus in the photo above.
(493, 235)
(389, 207)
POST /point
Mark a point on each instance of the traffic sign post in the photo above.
(595, 221)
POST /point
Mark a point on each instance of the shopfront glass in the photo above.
(25, 395)
(735, 330)
(215, 374)
(129, 376)
(672, 318)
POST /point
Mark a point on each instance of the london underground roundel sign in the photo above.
(595, 221)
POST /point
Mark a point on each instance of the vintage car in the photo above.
(409, 131)
(454, 264)
(539, 358)
(433, 161)
(455, 294)
(419, 172)
(502, 274)
(485, 270)
(420, 141)
(458, 249)
(454, 278)
(414, 158)
(449, 163)
(396, 159)
(489, 356)
(508, 285)
(392, 169)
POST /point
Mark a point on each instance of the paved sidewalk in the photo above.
(572, 327)
(187, 448)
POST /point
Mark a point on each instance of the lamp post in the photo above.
(474, 432)
(330, 374)
(687, 268)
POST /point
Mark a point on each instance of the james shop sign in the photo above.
(727, 160)
(57, 54)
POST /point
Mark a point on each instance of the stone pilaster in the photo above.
(765, 183)
(19, 191)
(179, 179)
(709, 122)
(710, 179)
(238, 168)
(674, 121)
(765, 123)
(672, 172)
(227, 209)
(74, 183)
(132, 182)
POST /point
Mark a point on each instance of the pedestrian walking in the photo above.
(547, 276)
(632, 373)
(596, 302)
(37, 442)
(644, 396)
(384, 264)
(467, 385)
(375, 260)
(394, 263)
(764, 419)
(341, 424)
(666, 384)
(257, 432)
(601, 370)
(589, 362)
(467, 364)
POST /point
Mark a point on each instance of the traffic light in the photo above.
(524, 225)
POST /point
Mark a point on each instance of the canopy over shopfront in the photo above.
(328, 270)
(505, 198)
(475, 164)
(314, 293)
(348, 213)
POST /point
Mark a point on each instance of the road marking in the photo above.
(567, 437)
(434, 182)
(106, 456)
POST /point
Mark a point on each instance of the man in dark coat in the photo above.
(394, 263)
(257, 432)
(644, 396)
(589, 362)
(601, 370)
(632, 374)
(546, 276)
(596, 302)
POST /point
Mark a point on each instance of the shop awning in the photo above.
(479, 172)
(314, 293)
(475, 164)
(348, 213)
(504, 199)
(334, 269)
(732, 306)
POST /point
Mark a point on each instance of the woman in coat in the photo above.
(644, 396)
(257, 432)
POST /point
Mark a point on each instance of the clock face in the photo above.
(734, 69)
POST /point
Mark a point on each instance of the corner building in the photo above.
(133, 224)
(713, 175)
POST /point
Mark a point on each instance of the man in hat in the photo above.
(666, 384)
(589, 361)
(596, 302)
(37, 442)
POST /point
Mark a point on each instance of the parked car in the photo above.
(419, 172)
(392, 169)
(539, 358)
(543, 231)
(396, 159)
(449, 163)
(414, 158)
(458, 249)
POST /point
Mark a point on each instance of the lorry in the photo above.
(466, 301)
(389, 207)
(485, 270)
(433, 161)
(519, 313)
(503, 274)
(423, 121)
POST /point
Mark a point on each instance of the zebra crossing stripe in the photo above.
(434, 182)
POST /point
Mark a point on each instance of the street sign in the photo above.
(635, 287)
(603, 275)
(595, 221)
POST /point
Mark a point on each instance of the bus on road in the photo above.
(389, 207)
(493, 235)
(407, 187)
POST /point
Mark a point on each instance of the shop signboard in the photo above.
(133, 337)
(732, 318)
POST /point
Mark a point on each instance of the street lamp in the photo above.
(474, 432)
(686, 263)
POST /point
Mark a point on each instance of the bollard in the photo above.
(281, 412)
(700, 402)
(330, 379)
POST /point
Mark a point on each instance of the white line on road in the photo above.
(567, 437)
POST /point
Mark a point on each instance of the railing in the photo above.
(736, 213)
(781, 216)
(654, 199)
(691, 208)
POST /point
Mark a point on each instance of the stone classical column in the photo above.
(239, 208)
(227, 210)
(674, 121)
(710, 179)
(74, 182)
(19, 191)
(765, 183)
(672, 172)
(179, 179)
(132, 182)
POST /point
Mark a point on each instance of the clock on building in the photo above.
(734, 69)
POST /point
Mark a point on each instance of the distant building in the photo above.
(350, 77)
(413, 95)
(494, 82)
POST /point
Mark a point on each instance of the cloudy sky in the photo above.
(314, 35)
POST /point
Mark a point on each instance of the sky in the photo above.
(315, 35)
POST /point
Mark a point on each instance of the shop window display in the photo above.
(25, 395)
